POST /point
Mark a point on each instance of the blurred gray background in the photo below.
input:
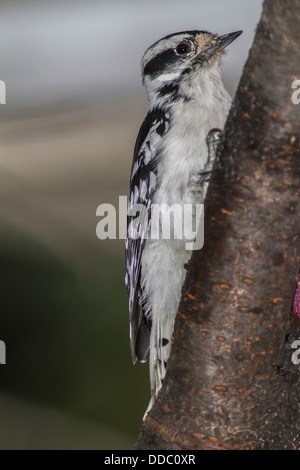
(74, 106)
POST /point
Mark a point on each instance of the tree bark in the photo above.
(231, 382)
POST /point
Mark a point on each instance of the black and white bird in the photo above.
(182, 76)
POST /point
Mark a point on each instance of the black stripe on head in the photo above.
(159, 63)
(171, 89)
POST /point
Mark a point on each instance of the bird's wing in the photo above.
(142, 186)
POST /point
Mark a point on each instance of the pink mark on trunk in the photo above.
(296, 302)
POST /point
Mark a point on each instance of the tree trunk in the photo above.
(231, 382)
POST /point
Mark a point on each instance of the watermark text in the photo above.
(296, 355)
(2, 92)
(296, 93)
(2, 352)
(157, 222)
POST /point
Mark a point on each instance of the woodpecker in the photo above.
(187, 99)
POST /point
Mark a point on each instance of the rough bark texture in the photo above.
(231, 383)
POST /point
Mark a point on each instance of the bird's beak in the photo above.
(221, 43)
(226, 39)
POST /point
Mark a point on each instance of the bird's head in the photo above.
(180, 58)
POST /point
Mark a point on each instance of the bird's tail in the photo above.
(160, 347)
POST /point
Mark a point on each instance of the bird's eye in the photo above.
(183, 48)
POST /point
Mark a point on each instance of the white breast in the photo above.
(183, 151)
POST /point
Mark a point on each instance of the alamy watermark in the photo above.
(296, 94)
(2, 352)
(296, 355)
(2, 92)
(158, 222)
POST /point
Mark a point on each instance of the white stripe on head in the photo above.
(168, 76)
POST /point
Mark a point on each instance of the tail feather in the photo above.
(160, 347)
